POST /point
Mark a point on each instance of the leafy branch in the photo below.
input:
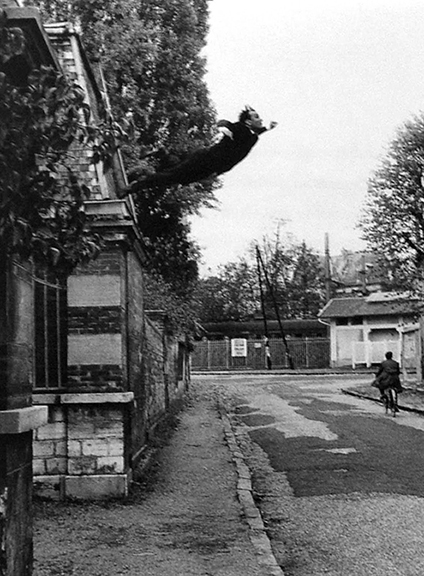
(46, 130)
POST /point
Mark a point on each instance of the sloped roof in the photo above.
(38, 49)
(356, 268)
(371, 306)
(71, 54)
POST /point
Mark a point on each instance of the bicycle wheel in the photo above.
(393, 401)
(386, 401)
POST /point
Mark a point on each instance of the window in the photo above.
(50, 304)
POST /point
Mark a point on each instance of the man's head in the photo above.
(251, 118)
(389, 355)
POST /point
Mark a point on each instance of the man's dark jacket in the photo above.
(388, 375)
(205, 162)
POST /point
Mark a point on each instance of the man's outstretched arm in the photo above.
(271, 126)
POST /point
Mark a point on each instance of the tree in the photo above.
(306, 288)
(231, 295)
(292, 279)
(150, 55)
(295, 277)
(180, 311)
(392, 219)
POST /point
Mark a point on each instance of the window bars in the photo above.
(50, 330)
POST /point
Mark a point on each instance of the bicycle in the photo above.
(390, 401)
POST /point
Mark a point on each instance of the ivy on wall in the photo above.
(42, 122)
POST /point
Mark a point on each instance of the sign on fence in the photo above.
(239, 347)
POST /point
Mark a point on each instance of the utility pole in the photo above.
(327, 270)
(261, 292)
(271, 291)
(363, 274)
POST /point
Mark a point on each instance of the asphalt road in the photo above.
(340, 484)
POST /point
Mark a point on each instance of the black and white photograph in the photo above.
(211, 288)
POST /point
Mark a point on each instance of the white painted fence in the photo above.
(369, 352)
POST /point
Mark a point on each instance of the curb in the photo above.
(282, 372)
(257, 532)
(366, 397)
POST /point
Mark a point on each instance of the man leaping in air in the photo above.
(235, 143)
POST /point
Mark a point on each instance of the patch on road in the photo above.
(283, 417)
(339, 450)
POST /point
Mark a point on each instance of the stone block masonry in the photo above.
(49, 447)
(84, 439)
(84, 450)
(123, 378)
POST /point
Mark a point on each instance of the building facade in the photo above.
(86, 373)
(19, 418)
(363, 329)
(123, 366)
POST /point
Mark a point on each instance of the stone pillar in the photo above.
(18, 418)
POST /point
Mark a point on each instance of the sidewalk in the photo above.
(411, 399)
(196, 518)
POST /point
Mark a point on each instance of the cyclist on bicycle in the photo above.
(388, 375)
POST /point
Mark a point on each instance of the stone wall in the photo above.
(155, 370)
(18, 418)
(100, 426)
(50, 449)
(136, 343)
(81, 452)
(118, 376)
(166, 367)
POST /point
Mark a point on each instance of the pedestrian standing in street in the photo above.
(268, 355)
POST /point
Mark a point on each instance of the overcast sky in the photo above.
(339, 76)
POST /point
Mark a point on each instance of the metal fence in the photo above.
(305, 353)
